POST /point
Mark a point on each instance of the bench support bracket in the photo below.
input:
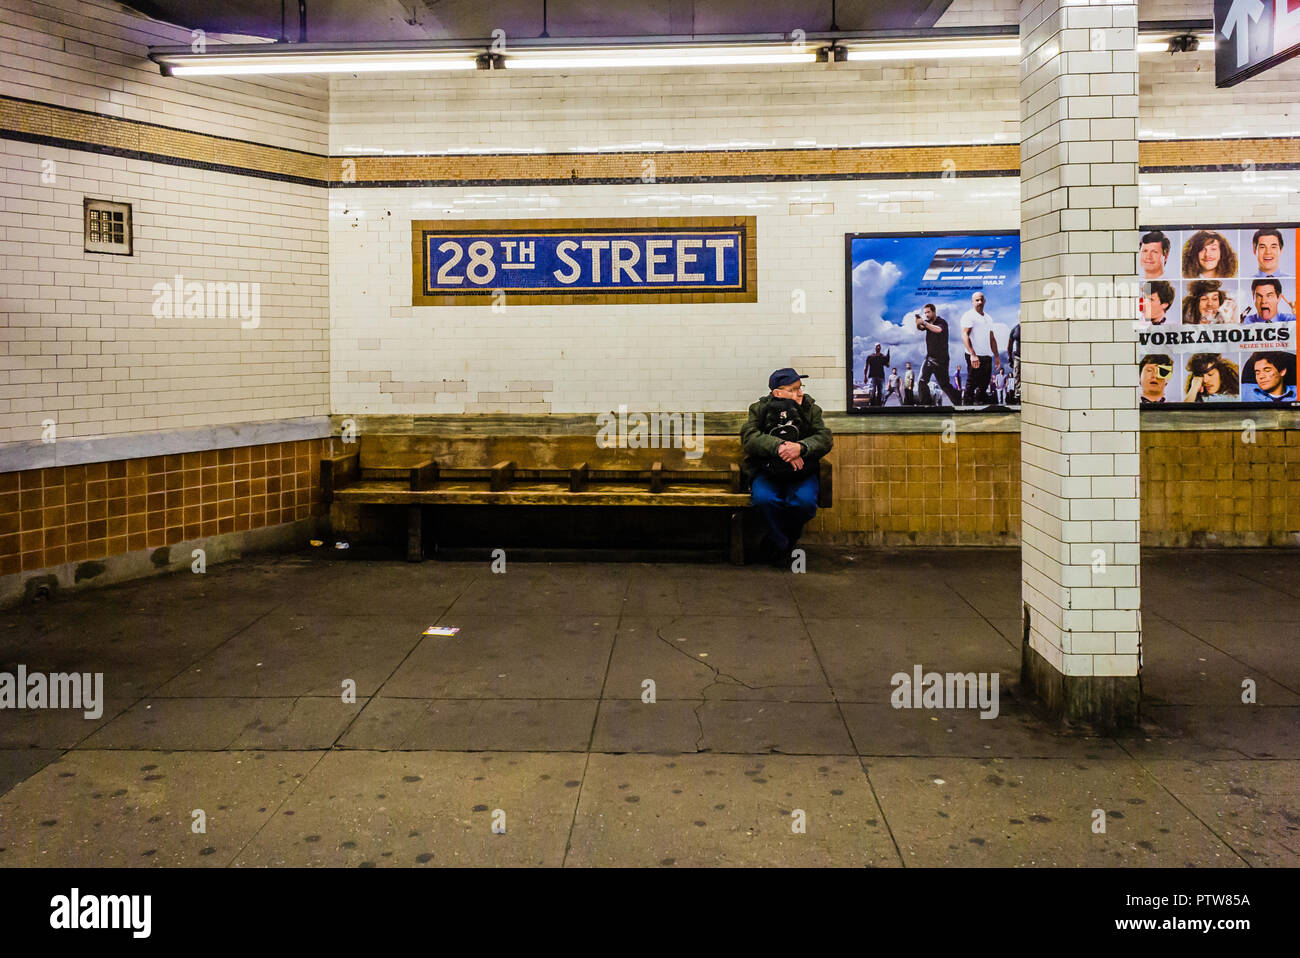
(736, 541)
(414, 533)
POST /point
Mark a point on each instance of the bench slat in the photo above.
(561, 451)
(484, 474)
(555, 495)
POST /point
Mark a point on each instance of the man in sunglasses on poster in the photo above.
(935, 366)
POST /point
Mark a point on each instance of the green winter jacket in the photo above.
(758, 446)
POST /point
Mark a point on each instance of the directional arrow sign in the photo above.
(1253, 35)
(1237, 21)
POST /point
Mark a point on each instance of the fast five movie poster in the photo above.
(933, 321)
(1217, 316)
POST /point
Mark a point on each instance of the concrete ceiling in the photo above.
(373, 20)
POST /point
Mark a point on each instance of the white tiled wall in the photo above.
(1180, 101)
(80, 342)
(63, 306)
(390, 357)
(840, 104)
(963, 13)
(980, 13)
(1175, 9)
(670, 357)
(1235, 196)
(93, 55)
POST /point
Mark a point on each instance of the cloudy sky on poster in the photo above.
(890, 284)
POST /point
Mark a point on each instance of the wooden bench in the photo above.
(415, 471)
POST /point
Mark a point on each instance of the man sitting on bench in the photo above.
(783, 440)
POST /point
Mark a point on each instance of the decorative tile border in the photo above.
(684, 166)
(73, 129)
(1257, 153)
(82, 130)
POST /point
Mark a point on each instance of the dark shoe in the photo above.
(769, 553)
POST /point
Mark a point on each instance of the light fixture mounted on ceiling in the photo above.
(660, 55)
(642, 53)
(1184, 42)
(909, 50)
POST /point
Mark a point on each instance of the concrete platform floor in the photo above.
(224, 693)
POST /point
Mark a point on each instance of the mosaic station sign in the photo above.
(584, 261)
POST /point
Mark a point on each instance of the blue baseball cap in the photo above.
(783, 377)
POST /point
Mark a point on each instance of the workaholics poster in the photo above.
(915, 302)
(1217, 316)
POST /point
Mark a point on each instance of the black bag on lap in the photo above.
(784, 419)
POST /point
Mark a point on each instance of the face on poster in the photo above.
(933, 321)
(1217, 316)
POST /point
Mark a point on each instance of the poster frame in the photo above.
(942, 412)
(1224, 409)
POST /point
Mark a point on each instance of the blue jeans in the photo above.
(785, 506)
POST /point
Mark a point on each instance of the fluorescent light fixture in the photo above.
(1159, 42)
(945, 50)
(988, 47)
(285, 61)
(686, 56)
(1162, 46)
(391, 57)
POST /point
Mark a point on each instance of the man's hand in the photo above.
(797, 462)
(789, 451)
(997, 361)
(974, 362)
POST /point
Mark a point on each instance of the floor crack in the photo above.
(718, 677)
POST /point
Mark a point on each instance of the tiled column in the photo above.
(1079, 419)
